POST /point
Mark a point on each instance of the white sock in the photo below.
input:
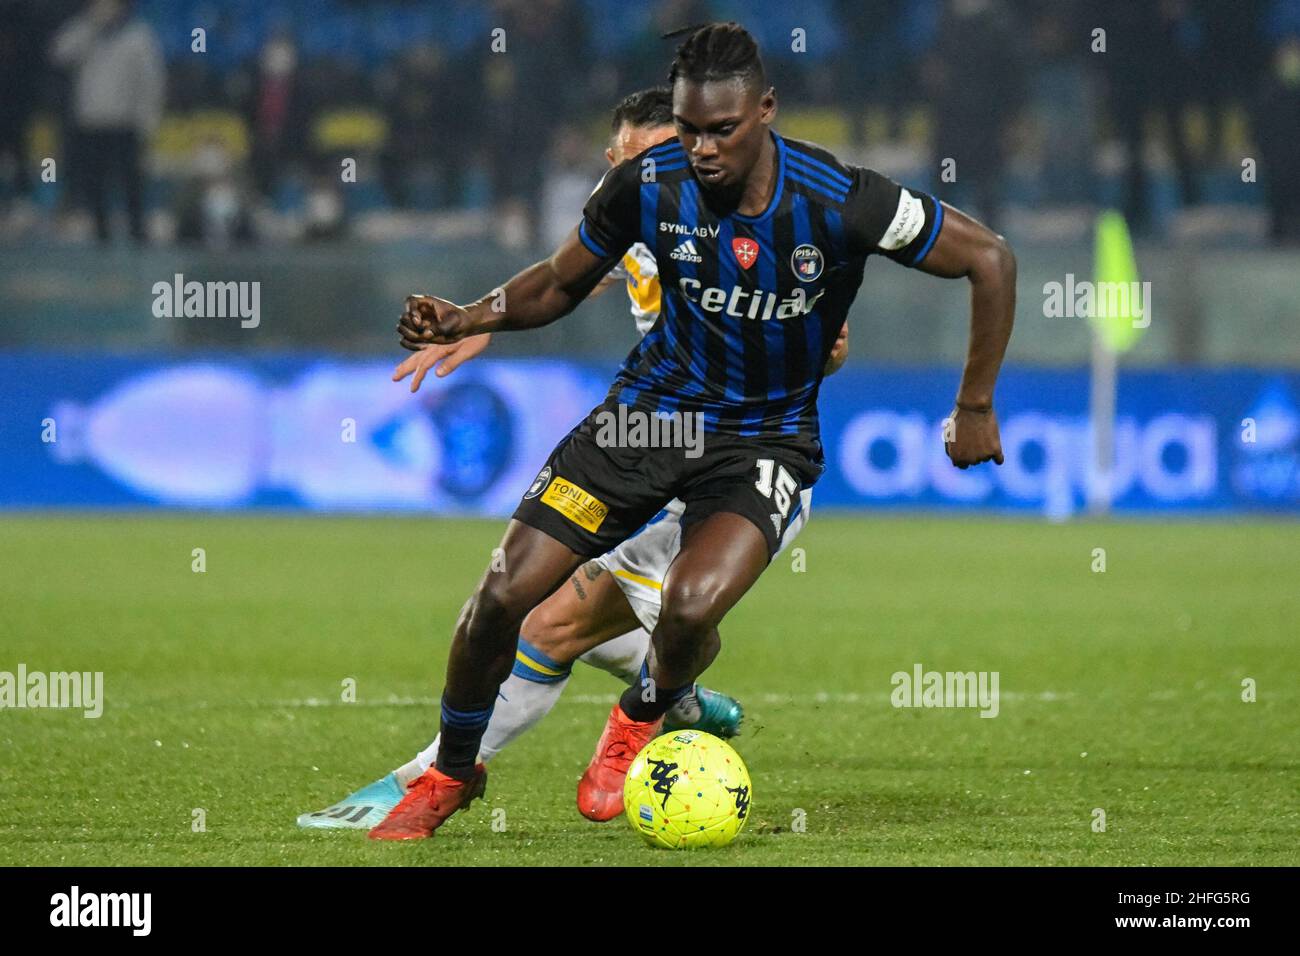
(622, 656)
(409, 771)
(521, 703)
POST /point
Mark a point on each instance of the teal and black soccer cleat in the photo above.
(358, 811)
(713, 712)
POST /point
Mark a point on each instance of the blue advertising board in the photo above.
(1184, 440)
(291, 431)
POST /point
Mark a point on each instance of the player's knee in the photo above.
(478, 638)
(551, 631)
(690, 611)
(496, 606)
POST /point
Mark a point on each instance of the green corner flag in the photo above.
(1122, 303)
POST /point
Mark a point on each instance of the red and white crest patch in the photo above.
(746, 251)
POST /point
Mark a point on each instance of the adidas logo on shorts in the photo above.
(686, 252)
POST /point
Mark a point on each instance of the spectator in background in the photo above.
(215, 207)
(539, 81)
(119, 85)
(974, 79)
(570, 178)
(1062, 97)
(646, 60)
(1235, 59)
(872, 69)
(276, 119)
(20, 77)
(424, 97)
(325, 216)
(1279, 141)
(1149, 64)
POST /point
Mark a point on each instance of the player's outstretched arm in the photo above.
(539, 295)
(445, 359)
(965, 248)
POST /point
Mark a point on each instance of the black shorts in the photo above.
(594, 493)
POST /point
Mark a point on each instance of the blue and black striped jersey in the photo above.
(751, 304)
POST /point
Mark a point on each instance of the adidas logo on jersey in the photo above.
(686, 252)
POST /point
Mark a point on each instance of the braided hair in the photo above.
(718, 51)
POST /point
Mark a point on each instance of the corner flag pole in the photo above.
(1104, 385)
(1118, 306)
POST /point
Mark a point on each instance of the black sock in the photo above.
(638, 709)
(461, 735)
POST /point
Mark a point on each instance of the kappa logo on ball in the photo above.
(746, 251)
(806, 261)
(539, 483)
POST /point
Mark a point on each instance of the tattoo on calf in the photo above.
(577, 586)
(593, 570)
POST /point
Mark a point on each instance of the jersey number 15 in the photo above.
(786, 484)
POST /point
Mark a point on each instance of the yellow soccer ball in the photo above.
(687, 789)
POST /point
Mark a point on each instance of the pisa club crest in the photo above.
(746, 251)
(806, 261)
(539, 483)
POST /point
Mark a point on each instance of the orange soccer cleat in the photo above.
(600, 791)
(430, 799)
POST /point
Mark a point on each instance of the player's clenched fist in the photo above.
(973, 438)
(429, 320)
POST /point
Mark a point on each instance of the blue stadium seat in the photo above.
(365, 195)
(290, 195)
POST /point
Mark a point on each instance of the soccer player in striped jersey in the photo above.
(604, 615)
(761, 244)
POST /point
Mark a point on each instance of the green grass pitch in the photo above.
(1120, 690)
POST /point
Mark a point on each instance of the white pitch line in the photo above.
(604, 700)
